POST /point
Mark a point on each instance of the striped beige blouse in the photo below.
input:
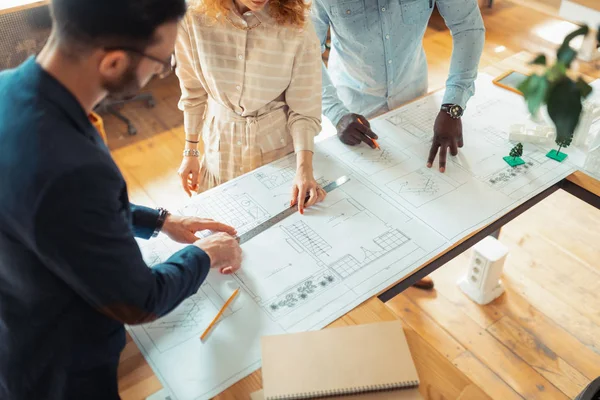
(251, 66)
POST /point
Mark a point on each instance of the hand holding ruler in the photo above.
(257, 230)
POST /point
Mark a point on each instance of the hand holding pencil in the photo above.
(353, 129)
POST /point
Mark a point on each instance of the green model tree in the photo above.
(562, 95)
(514, 157)
(516, 151)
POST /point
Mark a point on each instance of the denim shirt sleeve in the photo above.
(464, 20)
(333, 108)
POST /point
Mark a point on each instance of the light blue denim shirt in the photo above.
(377, 61)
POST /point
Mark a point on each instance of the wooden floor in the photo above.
(540, 340)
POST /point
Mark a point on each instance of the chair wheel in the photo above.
(131, 130)
(151, 103)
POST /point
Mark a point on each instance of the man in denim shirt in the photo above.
(377, 63)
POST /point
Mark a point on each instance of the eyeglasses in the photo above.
(167, 66)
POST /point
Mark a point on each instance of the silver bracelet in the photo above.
(191, 153)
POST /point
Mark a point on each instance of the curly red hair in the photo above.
(284, 12)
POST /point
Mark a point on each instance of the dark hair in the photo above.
(109, 23)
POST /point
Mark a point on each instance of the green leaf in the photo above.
(582, 30)
(534, 89)
(556, 72)
(564, 108)
(565, 53)
(584, 88)
(539, 60)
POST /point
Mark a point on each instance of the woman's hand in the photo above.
(306, 191)
(189, 172)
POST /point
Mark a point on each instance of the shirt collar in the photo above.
(263, 16)
(56, 93)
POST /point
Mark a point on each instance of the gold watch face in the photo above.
(455, 111)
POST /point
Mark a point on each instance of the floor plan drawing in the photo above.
(393, 215)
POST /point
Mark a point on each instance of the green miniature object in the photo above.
(556, 154)
(514, 158)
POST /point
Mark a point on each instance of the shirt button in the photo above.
(389, 61)
(383, 9)
(348, 12)
(241, 169)
(241, 57)
(239, 142)
(238, 88)
(387, 36)
(282, 141)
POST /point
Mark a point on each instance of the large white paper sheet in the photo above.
(391, 217)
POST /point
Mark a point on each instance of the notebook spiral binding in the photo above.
(346, 391)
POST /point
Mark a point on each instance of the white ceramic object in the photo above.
(482, 282)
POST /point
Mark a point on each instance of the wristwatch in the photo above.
(191, 153)
(162, 217)
(453, 110)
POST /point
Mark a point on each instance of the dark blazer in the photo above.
(71, 272)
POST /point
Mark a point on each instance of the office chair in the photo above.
(113, 107)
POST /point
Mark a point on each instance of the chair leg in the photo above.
(112, 107)
(131, 129)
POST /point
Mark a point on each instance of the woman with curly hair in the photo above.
(250, 76)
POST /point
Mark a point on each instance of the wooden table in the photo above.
(10, 6)
(440, 379)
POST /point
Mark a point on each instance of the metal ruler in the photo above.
(285, 213)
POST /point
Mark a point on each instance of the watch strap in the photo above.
(162, 217)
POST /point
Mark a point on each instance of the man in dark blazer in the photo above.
(71, 272)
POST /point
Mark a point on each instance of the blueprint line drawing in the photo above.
(276, 179)
(503, 177)
(370, 162)
(308, 238)
(418, 121)
(238, 210)
(300, 294)
(420, 187)
(495, 136)
(390, 240)
(188, 320)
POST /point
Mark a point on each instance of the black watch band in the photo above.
(162, 217)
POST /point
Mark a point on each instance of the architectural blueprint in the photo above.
(392, 216)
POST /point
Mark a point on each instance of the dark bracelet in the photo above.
(192, 141)
(162, 217)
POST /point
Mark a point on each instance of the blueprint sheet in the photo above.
(391, 217)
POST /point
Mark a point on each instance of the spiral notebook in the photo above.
(404, 394)
(337, 361)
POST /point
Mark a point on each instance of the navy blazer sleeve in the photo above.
(144, 221)
(85, 239)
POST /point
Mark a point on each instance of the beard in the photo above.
(124, 88)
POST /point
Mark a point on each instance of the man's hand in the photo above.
(183, 229)
(447, 133)
(224, 252)
(353, 129)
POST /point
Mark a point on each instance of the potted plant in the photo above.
(562, 95)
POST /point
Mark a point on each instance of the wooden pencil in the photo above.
(221, 311)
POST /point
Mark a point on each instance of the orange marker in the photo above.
(374, 141)
(221, 311)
